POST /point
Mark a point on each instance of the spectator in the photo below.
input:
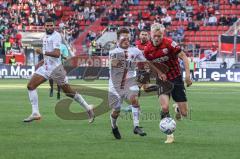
(212, 20)
(223, 65)
(192, 68)
(222, 20)
(192, 26)
(151, 6)
(164, 10)
(12, 60)
(236, 2)
(189, 9)
(141, 25)
(135, 2)
(167, 20)
(133, 33)
(232, 20)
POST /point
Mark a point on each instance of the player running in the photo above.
(122, 83)
(166, 51)
(51, 67)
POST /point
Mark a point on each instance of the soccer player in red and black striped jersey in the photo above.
(165, 51)
(143, 40)
(141, 43)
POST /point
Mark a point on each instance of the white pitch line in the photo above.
(42, 86)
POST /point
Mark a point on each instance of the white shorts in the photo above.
(117, 95)
(58, 74)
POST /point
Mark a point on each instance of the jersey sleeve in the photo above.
(174, 47)
(57, 42)
(140, 57)
(147, 53)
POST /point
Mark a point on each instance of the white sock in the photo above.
(113, 121)
(135, 114)
(78, 98)
(33, 97)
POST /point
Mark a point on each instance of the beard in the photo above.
(49, 32)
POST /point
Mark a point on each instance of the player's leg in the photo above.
(164, 103)
(114, 102)
(59, 76)
(183, 108)
(179, 96)
(51, 87)
(131, 93)
(58, 92)
(78, 98)
(135, 114)
(35, 81)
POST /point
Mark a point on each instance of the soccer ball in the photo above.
(167, 125)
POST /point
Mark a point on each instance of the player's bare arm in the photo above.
(116, 63)
(40, 63)
(55, 53)
(160, 74)
(183, 56)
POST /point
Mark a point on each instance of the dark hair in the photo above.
(144, 30)
(121, 31)
(49, 20)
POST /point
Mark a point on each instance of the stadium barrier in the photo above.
(92, 73)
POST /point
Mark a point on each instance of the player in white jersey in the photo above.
(51, 67)
(122, 83)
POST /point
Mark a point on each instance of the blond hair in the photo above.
(157, 27)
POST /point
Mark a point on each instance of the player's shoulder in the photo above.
(137, 42)
(56, 34)
(134, 49)
(149, 46)
(167, 40)
(170, 42)
(116, 50)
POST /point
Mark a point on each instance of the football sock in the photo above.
(135, 114)
(33, 97)
(164, 114)
(113, 121)
(78, 98)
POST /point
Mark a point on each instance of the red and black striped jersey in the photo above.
(141, 45)
(166, 53)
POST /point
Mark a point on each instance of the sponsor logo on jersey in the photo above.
(161, 59)
(165, 51)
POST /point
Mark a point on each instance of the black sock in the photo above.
(164, 114)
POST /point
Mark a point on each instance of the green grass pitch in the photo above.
(212, 133)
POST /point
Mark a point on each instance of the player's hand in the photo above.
(116, 63)
(162, 76)
(37, 66)
(188, 81)
(38, 51)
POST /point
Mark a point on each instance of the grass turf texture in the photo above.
(212, 133)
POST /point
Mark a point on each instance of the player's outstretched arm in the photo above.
(160, 74)
(183, 56)
(40, 63)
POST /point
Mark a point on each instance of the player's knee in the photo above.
(134, 100)
(115, 114)
(30, 86)
(165, 108)
(184, 114)
(69, 95)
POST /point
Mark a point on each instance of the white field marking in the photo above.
(24, 86)
(213, 93)
(237, 84)
(212, 88)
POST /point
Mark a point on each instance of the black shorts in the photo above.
(143, 77)
(178, 92)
